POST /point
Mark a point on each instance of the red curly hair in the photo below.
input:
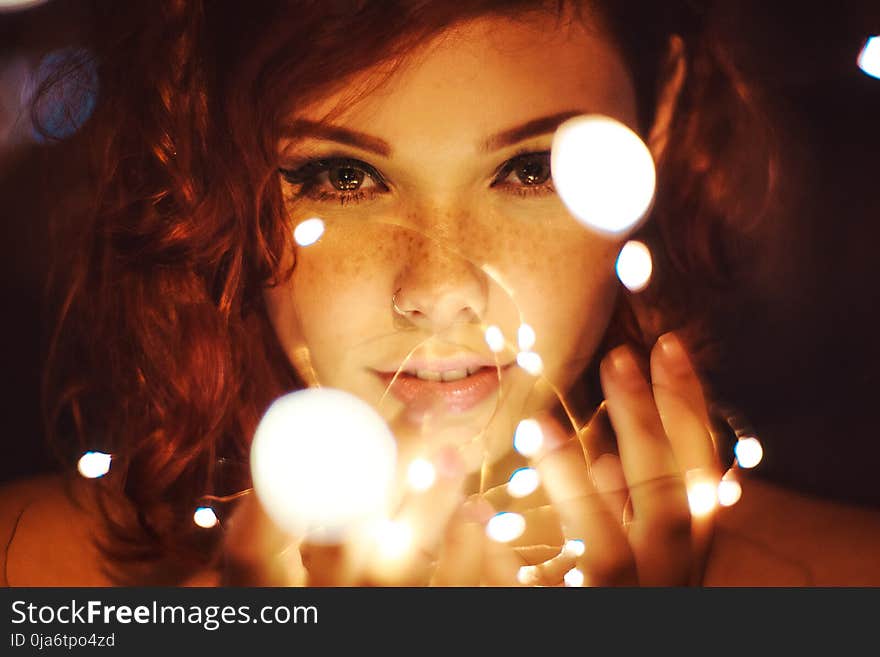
(162, 353)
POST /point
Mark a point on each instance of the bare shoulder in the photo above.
(780, 537)
(46, 534)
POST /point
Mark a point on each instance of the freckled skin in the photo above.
(442, 237)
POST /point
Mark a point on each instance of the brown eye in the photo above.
(533, 170)
(345, 179)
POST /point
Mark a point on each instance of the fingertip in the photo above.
(672, 354)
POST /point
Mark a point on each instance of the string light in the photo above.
(869, 57)
(505, 527)
(748, 452)
(420, 475)
(729, 489)
(92, 465)
(205, 517)
(603, 172)
(634, 266)
(495, 339)
(525, 337)
(574, 548)
(523, 482)
(527, 575)
(393, 539)
(528, 437)
(702, 493)
(298, 475)
(574, 578)
(308, 232)
(530, 362)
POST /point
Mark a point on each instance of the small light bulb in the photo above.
(505, 527)
(729, 490)
(92, 465)
(393, 538)
(205, 517)
(634, 266)
(421, 474)
(748, 452)
(530, 362)
(528, 437)
(603, 172)
(869, 58)
(574, 578)
(573, 548)
(525, 337)
(527, 575)
(702, 497)
(523, 482)
(309, 231)
(495, 339)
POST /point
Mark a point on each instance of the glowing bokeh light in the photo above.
(869, 57)
(92, 465)
(634, 266)
(495, 339)
(393, 539)
(574, 548)
(574, 578)
(530, 362)
(603, 172)
(420, 475)
(527, 575)
(308, 232)
(528, 437)
(525, 337)
(748, 452)
(523, 482)
(729, 489)
(205, 517)
(505, 527)
(323, 464)
(702, 496)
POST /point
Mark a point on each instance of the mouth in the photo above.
(446, 387)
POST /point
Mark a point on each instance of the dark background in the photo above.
(801, 349)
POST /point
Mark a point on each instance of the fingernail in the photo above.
(623, 367)
(674, 356)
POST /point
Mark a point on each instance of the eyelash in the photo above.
(305, 177)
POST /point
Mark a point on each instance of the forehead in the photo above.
(483, 75)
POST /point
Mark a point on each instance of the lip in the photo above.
(455, 397)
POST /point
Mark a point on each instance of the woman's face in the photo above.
(435, 195)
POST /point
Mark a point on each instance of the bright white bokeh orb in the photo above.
(574, 578)
(421, 474)
(531, 362)
(869, 58)
(528, 437)
(702, 496)
(634, 266)
(92, 465)
(574, 547)
(525, 337)
(205, 517)
(505, 527)
(748, 452)
(523, 482)
(603, 172)
(495, 339)
(729, 490)
(308, 232)
(323, 464)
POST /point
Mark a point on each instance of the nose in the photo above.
(437, 288)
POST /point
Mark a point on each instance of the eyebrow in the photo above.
(305, 128)
(533, 128)
(300, 128)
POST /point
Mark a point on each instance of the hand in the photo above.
(446, 545)
(664, 445)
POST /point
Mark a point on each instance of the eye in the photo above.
(335, 179)
(528, 173)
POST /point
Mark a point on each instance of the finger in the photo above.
(256, 551)
(661, 532)
(460, 562)
(605, 469)
(582, 512)
(685, 417)
(408, 552)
